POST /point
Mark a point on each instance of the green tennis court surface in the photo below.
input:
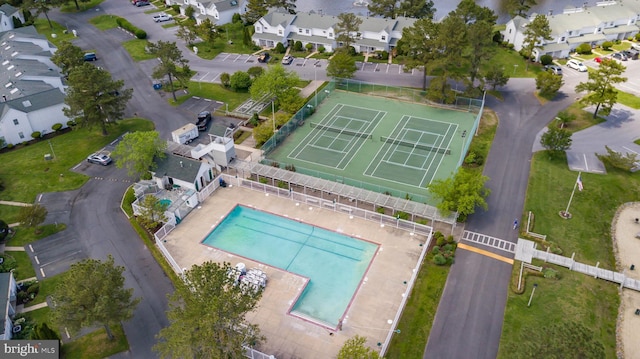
(377, 143)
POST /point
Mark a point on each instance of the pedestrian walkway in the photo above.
(526, 251)
(22, 309)
(17, 204)
(489, 241)
(14, 249)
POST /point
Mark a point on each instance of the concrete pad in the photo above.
(585, 162)
(374, 306)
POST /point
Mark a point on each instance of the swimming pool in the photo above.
(334, 263)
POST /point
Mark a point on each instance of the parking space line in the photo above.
(247, 60)
(376, 68)
(586, 164)
(239, 56)
(37, 260)
(59, 259)
(215, 78)
(39, 197)
(362, 68)
(399, 69)
(387, 68)
(31, 248)
(42, 272)
(226, 57)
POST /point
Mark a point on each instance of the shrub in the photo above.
(225, 79)
(546, 59)
(290, 167)
(309, 47)
(447, 247)
(439, 241)
(23, 297)
(321, 49)
(56, 127)
(584, 49)
(71, 123)
(255, 71)
(297, 46)
(36, 134)
(450, 239)
(33, 289)
(280, 48)
(8, 263)
(439, 259)
(550, 273)
(638, 36)
(240, 80)
(607, 45)
(283, 184)
(380, 210)
(436, 250)
(140, 34)
(126, 25)
(176, 8)
(352, 51)
(236, 18)
(254, 120)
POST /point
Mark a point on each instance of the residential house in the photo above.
(31, 86)
(374, 34)
(219, 11)
(8, 293)
(607, 21)
(7, 13)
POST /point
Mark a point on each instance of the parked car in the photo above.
(90, 56)
(598, 59)
(619, 56)
(264, 57)
(635, 46)
(556, 70)
(204, 118)
(139, 3)
(576, 65)
(287, 60)
(162, 17)
(99, 158)
(631, 54)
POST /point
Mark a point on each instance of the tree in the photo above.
(565, 118)
(42, 7)
(93, 293)
(94, 98)
(556, 140)
(255, 9)
(355, 348)
(599, 86)
(496, 76)
(616, 159)
(207, 30)
(548, 83)
(347, 29)
(341, 65)
(462, 193)
(189, 11)
(207, 316)
(43, 332)
(418, 43)
(225, 79)
(565, 339)
(384, 8)
(172, 64)
(187, 33)
(240, 80)
(137, 150)
(275, 81)
(287, 5)
(32, 216)
(519, 7)
(67, 57)
(255, 71)
(152, 212)
(536, 31)
(479, 46)
(417, 9)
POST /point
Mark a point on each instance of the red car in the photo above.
(598, 59)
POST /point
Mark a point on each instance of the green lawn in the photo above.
(215, 91)
(9, 214)
(24, 269)
(97, 345)
(591, 302)
(137, 49)
(43, 28)
(42, 316)
(71, 5)
(47, 286)
(23, 236)
(26, 173)
(417, 317)
(230, 40)
(514, 64)
(628, 99)
(104, 22)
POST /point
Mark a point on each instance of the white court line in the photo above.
(630, 150)
(586, 164)
(37, 260)
(42, 272)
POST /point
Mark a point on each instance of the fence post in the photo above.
(596, 271)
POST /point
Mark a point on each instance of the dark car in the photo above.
(264, 57)
(556, 70)
(139, 3)
(90, 56)
(203, 120)
(619, 56)
(631, 54)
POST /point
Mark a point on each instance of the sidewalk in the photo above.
(17, 204)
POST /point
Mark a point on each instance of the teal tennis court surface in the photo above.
(338, 136)
(414, 151)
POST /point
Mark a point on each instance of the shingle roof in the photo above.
(225, 5)
(275, 18)
(178, 167)
(8, 9)
(34, 102)
(5, 281)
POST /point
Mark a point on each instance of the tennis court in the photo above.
(338, 136)
(377, 143)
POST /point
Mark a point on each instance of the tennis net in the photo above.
(341, 130)
(421, 146)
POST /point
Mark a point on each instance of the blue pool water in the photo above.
(165, 201)
(334, 263)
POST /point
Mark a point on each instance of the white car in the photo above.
(99, 158)
(162, 17)
(576, 65)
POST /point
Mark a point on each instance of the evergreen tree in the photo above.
(600, 86)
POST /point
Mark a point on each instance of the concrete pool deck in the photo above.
(373, 307)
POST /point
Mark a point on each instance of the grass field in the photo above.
(214, 91)
(104, 22)
(47, 286)
(24, 269)
(26, 173)
(24, 236)
(137, 49)
(9, 214)
(43, 28)
(591, 302)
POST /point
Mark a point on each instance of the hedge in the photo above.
(139, 33)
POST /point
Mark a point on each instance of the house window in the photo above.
(509, 30)
(562, 39)
(598, 30)
(279, 32)
(570, 33)
(384, 38)
(15, 122)
(21, 135)
(306, 31)
(300, 31)
(331, 34)
(259, 29)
